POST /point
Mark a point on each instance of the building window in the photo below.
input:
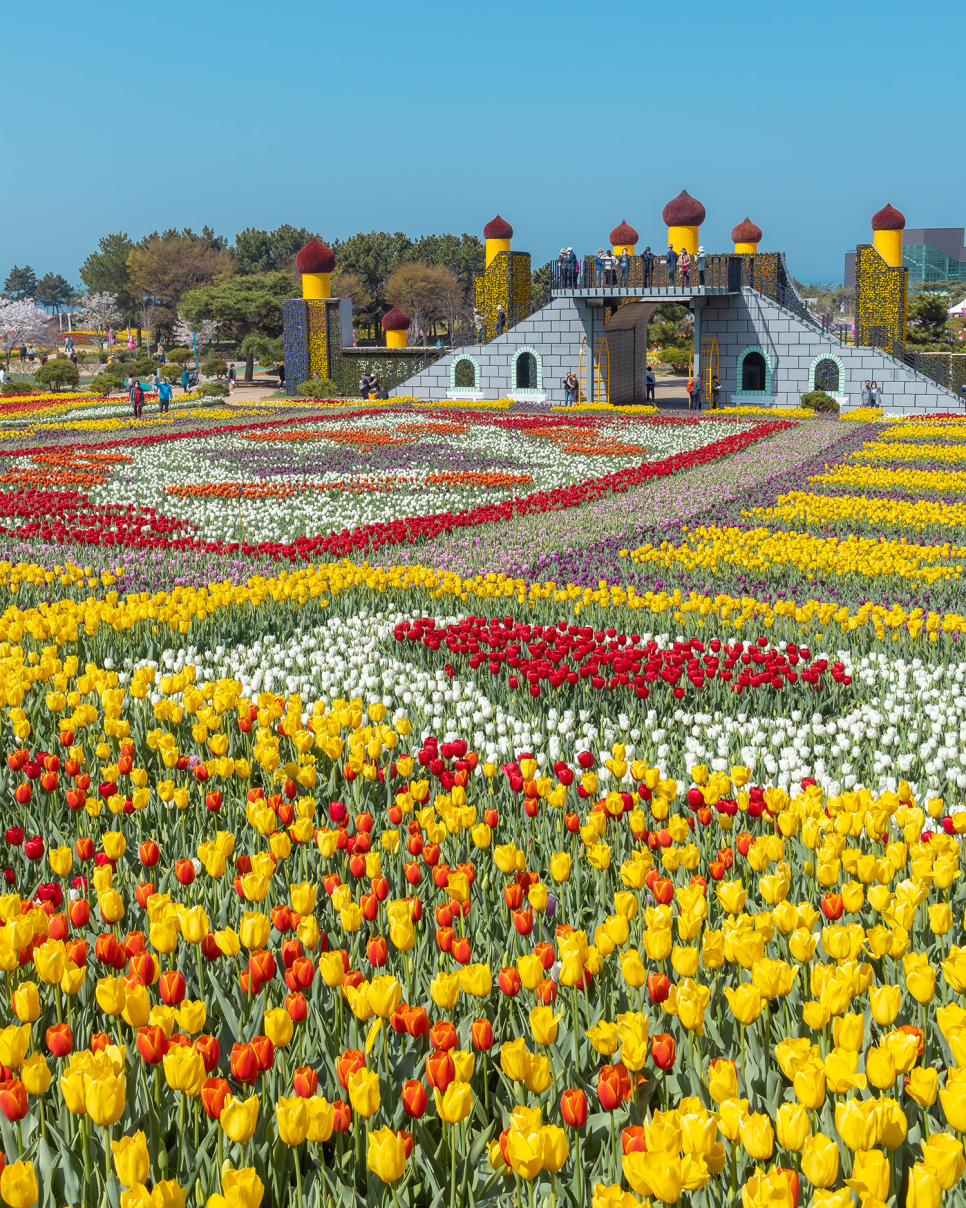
(754, 372)
(527, 370)
(464, 374)
(827, 376)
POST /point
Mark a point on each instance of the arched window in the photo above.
(826, 373)
(753, 372)
(827, 376)
(464, 374)
(526, 371)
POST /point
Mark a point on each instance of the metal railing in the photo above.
(642, 275)
(489, 330)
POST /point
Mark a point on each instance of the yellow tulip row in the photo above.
(907, 451)
(935, 481)
(706, 547)
(879, 513)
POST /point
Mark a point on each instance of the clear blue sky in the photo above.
(425, 115)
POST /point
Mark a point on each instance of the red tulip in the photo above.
(414, 1098)
(152, 1043)
(60, 1042)
(215, 1093)
(573, 1108)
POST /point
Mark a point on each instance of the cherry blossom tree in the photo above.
(184, 333)
(97, 313)
(22, 321)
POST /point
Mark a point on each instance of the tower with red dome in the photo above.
(504, 283)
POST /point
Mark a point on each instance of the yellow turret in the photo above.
(683, 216)
(887, 227)
(315, 261)
(746, 235)
(497, 234)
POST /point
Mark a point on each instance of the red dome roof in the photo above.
(396, 320)
(315, 257)
(684, 210)
(499, 228)
(746, 232)
(623, 234)
(888, 219)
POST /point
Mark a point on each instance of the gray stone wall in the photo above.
(554, 333)
(749, 319)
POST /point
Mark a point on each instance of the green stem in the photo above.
(452, 1180)
(298, 1176)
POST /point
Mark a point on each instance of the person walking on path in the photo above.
(573, 268)
(599, 266)
(185, 380)
(164, 397)
(701, 265)
(610, 275)
(647, 267)
(672, 266)
(500, 320)
(23, 353)
(624, 265)
(650, 381)
(684, 264)
(570, 389)
(480, 324)
(875, 395)
(715, 393)
(231, 377)
(866, 394)
(136, 395)
(563, 269)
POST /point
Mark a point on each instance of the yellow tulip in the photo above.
(515, 1059)
(560, 866)
(476, 979)
(923, 1085)
(184, 1070)
(809, 1086)
(820, 1160)
(792, 1126)
(14, 1042)
(445, 989)
(26, 1002)
(104, 1099)
(51, 961)
(110, 994)
(278, 1026)
(943, 1155)
(35, 1075)
(363, 1087)
(239, 1118)
(193, 1015)
(543, 1024)
(925, 1190)
(870, 1174)
(321, 1118)
(880, 1067)
(455, 1104)
(745, 1002)
(292, 1120)
(953, 1099)
(758, 1137)
(241, 1188)
(655, 1174)
(884, 1003)
(538, 1077)
(555, 1147)
(18, 1185)
(132, 1162)
(386, 1156)
(603, 1038)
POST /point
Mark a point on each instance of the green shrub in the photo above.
(214, 367)
(104, 383)
(318, 388)
(180, 355)
(680, 358)
(820, 402)
(10, 387)
(58, 373)
(171, 373)
(215, 388)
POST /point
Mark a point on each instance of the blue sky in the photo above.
(426, 116)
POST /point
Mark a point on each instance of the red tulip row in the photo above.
(561, 654)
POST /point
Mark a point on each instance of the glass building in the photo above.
(929, 253)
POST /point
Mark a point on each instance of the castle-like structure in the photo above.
(752, 330)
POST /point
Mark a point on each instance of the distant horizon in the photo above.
(430, 118)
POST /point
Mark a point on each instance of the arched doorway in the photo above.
(753, 372)
(526, 371)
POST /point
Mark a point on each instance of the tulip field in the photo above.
(436, 805)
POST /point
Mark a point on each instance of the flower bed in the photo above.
(607, 854)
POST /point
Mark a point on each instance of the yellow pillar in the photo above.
(396, 338)
(889, 246)
(494, 247)
(316, 285)
(683, 237)
(623, 247)
(746, 247)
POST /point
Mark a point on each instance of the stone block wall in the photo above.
(750, 320)
(552, 334)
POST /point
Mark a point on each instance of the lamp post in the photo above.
(194, 330)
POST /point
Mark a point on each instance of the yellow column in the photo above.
(624, 247)
(683, 237)
(396, 338)
(746, 247)
(316, 285)
(494, 247)
(889, 246)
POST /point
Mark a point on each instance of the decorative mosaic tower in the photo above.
(881, 285)
(316, 326)
(396, 324)
(505, 280)
(747, 236)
